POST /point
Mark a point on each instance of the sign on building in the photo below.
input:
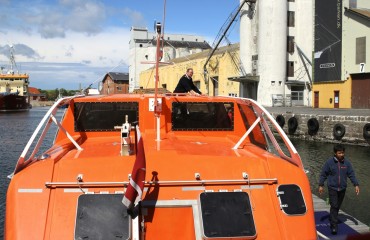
(362, 67)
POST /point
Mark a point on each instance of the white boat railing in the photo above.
(168, 183)
(247, 133)
(49, 117)
(262, 114)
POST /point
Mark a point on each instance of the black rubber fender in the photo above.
(338, 131)
(313, 126)
(366, 131)
(292, 125)
(280, 120)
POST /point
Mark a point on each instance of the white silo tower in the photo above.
(265, 38)
(246, 37)
(272, 49)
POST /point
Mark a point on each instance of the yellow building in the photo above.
(351, 93)
(223, 64)
(332, 94)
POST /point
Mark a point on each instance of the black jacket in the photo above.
(337, 172)
(185, 85)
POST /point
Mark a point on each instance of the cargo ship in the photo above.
(13, 88)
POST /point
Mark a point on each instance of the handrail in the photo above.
(260, 110)
(262, 113)
(48, 117)
(247, 133)
(173, 182)
(66, 133)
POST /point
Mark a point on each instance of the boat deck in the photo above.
(348, 225)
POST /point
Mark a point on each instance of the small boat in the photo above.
(214, 169)
(160, 166)
(13, 89)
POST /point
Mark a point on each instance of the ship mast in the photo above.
(159, 28)
(12, 60)
(158, 56)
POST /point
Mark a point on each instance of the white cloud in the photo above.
(135, 18)
(62, 43)
(67, 62)
(101, 49)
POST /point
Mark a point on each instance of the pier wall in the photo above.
(35, 103)
(354, 127)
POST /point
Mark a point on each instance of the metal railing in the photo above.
(167, 183)
(46, 120)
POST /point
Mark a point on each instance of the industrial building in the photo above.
(342, 46)
(143, 49)
(289, 53)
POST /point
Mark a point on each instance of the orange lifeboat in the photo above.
(201, 168)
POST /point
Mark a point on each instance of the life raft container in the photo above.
(366, 131)
(313, 126)
(338, 131)
(292, 125)
(280, 120)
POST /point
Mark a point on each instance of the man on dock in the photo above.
(336, 170)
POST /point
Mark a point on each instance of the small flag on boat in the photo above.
(136, 185)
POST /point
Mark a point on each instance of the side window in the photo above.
(204, 116)
(100, 116)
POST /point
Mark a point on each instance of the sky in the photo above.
(72, 43)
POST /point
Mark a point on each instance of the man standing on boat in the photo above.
(186, 85)
(336, 170)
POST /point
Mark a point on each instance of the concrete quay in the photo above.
(329, 125)
(320, 111)
(41, 103)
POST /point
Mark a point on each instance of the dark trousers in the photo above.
(335, 199)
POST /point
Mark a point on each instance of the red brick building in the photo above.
(35, 94)
(115, 82)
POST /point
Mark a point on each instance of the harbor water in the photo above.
(17, 128)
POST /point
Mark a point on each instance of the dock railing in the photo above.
(279, 100)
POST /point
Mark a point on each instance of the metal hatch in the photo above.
(102, 216)
(291, 199)
(227, 215)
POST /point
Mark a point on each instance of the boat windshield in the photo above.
(103, 116)
(205, 116)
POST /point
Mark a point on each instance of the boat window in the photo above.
(291, 199)
(103, 116)
(205, 116)
(257, 136)
(227, 215)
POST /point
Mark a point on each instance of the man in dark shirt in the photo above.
(186, 84)
(336, 170)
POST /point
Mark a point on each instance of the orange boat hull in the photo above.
(44, 194)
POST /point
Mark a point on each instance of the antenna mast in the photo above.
(12, 60)
(158, 57)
